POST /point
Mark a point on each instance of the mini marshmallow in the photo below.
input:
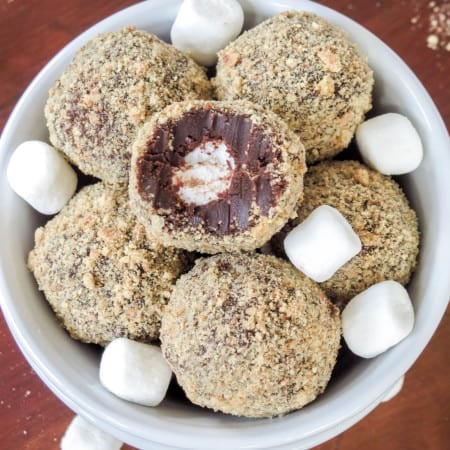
(203, 27)
(81, 435)
(390, 144)
(394, 390)
(322, 243)
(377, 319)
(135, 372)
(40, 175)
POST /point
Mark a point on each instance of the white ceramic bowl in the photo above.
(70, 369)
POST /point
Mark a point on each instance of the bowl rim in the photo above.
(164, 434)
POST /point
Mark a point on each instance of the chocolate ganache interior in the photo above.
(210, 168)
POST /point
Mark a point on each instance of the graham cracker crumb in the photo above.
(439, 26)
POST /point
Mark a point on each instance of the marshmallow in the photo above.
(390, 144)
(40, 175)
(203, 27)
(377, 318)
(135, 372)
(81, 435)
(206, 173)
(322, 243)
(394, 390)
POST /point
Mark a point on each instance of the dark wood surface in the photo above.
(32, 31)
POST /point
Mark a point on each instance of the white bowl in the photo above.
(70, 369)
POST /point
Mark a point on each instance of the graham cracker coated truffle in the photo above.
(98, 271)
(249, 335)
(305, 70)
(379, 213)
(112, 86)
(215, 176)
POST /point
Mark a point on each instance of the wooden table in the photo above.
(32, 31)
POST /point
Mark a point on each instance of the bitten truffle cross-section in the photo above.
(215, 176)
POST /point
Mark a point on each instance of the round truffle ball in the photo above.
(249, 335)
(215, 176)
(305, 70)
(112, 86)
(378, 211)
(99, 272)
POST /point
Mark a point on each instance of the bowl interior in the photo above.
(70, 369)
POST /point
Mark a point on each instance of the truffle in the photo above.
(249, 335)
(99, 272)
(379, 213)
(215, 176)
(305, 70)
(112, 86)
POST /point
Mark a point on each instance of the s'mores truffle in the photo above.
(215, 176)
(307, 71)
(100, 274)
(379, 213)
(249, 335)
(112, 86)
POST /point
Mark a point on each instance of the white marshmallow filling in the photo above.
(206, 173)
